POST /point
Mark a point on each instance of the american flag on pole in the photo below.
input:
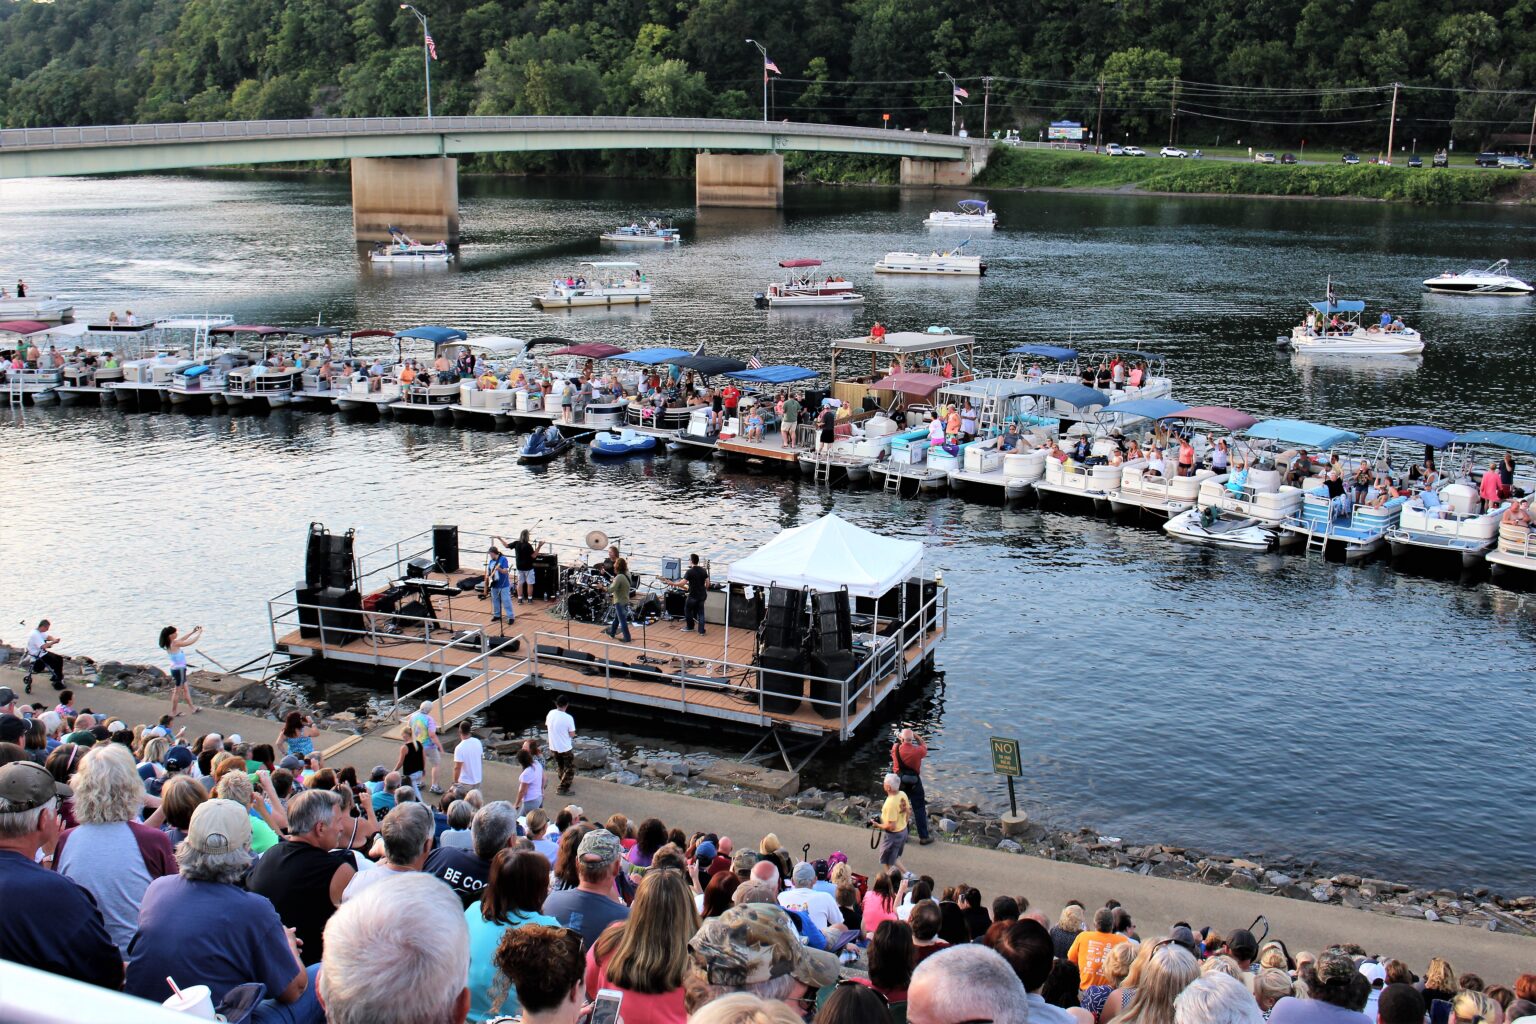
(754, 363)
(431, 47)
(960, 94)
(769, 65)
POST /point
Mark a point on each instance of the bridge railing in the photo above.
(215, 131)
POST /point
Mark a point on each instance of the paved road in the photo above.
(1154, 903)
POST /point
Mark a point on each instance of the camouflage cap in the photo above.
(754, 943)
(1335, 965)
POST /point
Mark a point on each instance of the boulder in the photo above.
(590, 758)
(1009, 846)
(948, 825)
(1278, 878)
(1243, 879)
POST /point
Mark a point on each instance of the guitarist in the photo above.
(696, 581)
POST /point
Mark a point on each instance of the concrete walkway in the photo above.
(1154, 903)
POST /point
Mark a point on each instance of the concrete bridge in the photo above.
(405, 169)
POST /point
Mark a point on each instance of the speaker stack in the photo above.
(781, 654)
(328, 560)
(335, 611)
(833, 657)
(445, 548)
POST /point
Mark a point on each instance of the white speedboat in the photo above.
(950, 263)
(652, 232)
(402, 248)
(968, 213)
(611, 283)
(1334, 328)
(49, 310)
(807, 288)
(1493, 280)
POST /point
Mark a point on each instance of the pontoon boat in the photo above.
(1494, 280)
(402, 248)
(612, 283)
(654, 231)
(1334, 328)
(807, 289)
(950, 263)
(968, 213)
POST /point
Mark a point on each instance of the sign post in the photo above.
(1007, 761)
(887, 119)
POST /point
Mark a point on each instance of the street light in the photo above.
(953, 96)
(764, 51)
(426, 52)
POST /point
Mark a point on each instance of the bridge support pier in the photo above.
(915, 171)
(419, 195)
(752, 180)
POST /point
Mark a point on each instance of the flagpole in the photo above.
(426, 53)
(764, 51)
(952, 99)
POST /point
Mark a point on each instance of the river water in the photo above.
(1274, 705)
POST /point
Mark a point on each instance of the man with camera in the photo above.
(907, 755)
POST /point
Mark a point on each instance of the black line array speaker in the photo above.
(783, 671)
(783, 619)
(834, 626)
(546, 576)
(309, 617)
(445, 547)
(827, 697)
(328, 558)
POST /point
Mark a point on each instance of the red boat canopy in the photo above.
(591, 350)
(247, 329)
(22, 326)
(372, 334)
(919, 384)
(1221, 415)
(800, 263)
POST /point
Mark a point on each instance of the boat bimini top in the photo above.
(1499, 439)
(1432, 437)
(1055, 352)
(1299, 432)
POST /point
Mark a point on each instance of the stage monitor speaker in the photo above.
(445, 547)
(341, 615)
(783, 618)
(834, 628)
(783, 677)
(676, 602)
(546, 576)
(827, 697)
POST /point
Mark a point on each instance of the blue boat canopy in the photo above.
(436, 335)
(1056, 352)
(1499, 439)
(1434, 437)
(1079, 396)
(1147, 408)
(972, 204)
(1299, 432)
(775, 374)
(651, 356)
(1340, 306)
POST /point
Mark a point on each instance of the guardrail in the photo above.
(319, 127)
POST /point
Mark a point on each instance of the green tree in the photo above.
(1138, 87)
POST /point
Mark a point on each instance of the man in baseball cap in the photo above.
(52, 924)
(219, 826)
(590, 907)
(755, 948)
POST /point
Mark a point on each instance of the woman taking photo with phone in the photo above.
(176, 646)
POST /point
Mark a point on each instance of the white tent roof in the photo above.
(830, 554)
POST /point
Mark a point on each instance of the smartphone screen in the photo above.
(605, 1008)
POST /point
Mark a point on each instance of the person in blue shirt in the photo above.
(498, 582)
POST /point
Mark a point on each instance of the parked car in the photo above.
(1351, 159)
(1264, 158)
(1415, 161)
(1441, 159)
(1487, 160)
(1134, 151)
(1514, 163)
(1172, 151)
(1113, 149)
(1287, 158)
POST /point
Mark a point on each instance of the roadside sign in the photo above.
(1005, 757)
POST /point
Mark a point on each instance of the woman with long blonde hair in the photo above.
(1164, 974)
(1439, 981)
(644, 955)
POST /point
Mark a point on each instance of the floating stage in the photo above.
(789, 646)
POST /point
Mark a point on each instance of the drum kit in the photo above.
(584, 593)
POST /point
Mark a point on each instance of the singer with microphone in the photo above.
(498, 583)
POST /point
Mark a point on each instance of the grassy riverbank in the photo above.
(1012, 168)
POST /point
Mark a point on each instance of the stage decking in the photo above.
(665, 668)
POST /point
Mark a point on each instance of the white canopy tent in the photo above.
(831, 554)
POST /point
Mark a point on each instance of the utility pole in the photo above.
(1098, 131)
(1173, 111)
(1392, 127)
(986, 100)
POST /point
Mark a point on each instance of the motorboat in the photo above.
(1492, 280)
(402, 248)
(620, 442)
(1334, 328)
(1335, 524)
(45, 309)
(35, 386)
(1004, 412)
(949, 263)
(1158, 493)
(1454, 520)
(363, 393)
(146, 380)
(1217, 528)
(607, 283)
(544, 444)
(807, 289)
(203, 382)
(655, 231)
(259, 384)
(968, 213)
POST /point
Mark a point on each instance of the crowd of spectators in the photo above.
(298, 893)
